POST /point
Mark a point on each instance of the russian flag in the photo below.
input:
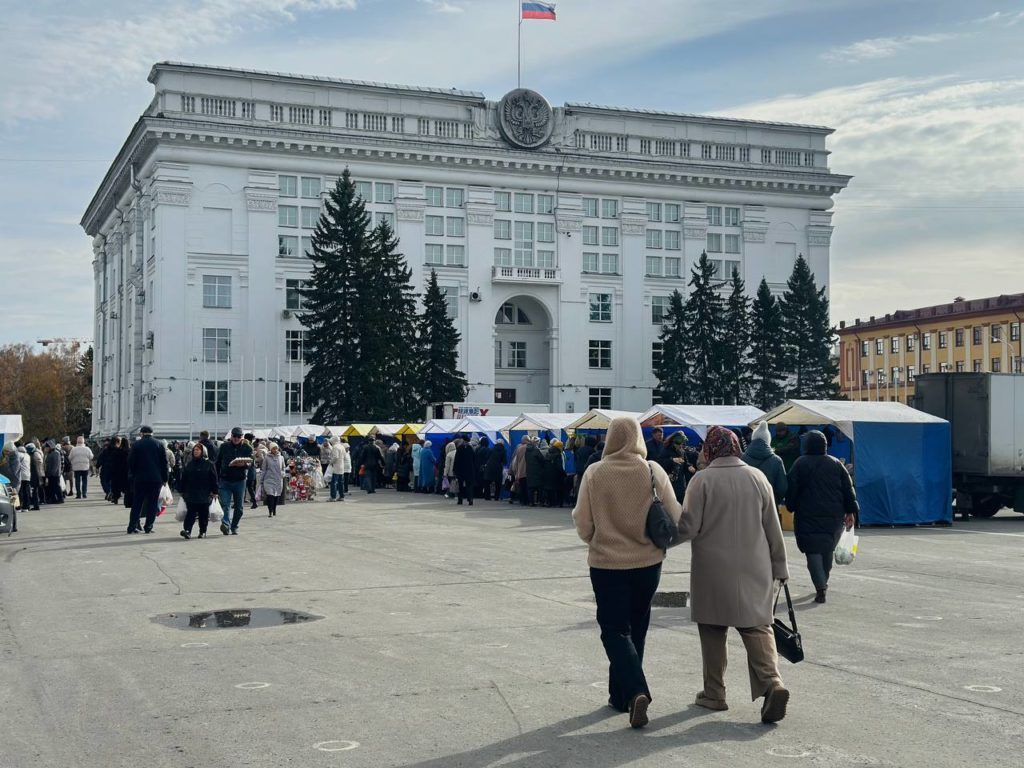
(537, 10)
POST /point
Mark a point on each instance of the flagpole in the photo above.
(519, 46)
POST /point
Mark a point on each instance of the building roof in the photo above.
(582, 106)
(956, 309)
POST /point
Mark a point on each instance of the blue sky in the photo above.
(926, 96)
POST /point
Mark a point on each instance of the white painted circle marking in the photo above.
(598, 684)
(785, 751)
(983, 688)
(400, 613)
(194, 645)
(90, 562)
(495, 645)
(252, 686)
(928, 618)
(336, 745)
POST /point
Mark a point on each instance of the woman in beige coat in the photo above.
(625, 565)
(729, 516)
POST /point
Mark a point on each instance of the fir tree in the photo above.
(333, 298)
(440, 380)
(673, 370)
(808, 336)
(703, 322)
(735, 346)
(767, 360)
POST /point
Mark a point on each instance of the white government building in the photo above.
(558, 235)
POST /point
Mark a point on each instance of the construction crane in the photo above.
(64, 340)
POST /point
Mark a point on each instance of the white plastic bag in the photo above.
(216, 511)
(329, 473)
(846, 549)
(166, 496)
(181, 511)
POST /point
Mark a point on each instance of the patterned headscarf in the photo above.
(720, 442)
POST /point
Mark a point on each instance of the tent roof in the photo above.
(600, 419)
(357, 430)
(259, 434)
(440, 427)
(388, 430)
(11, 426)
(409, 429)
(845, 413)
(484, 424)
(705, 415)
(337, 431)
(539, 422)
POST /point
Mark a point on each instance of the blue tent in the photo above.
(902, 462)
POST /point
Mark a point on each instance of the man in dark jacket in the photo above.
(209, 445)
(482, 452)
(464, 467)
(656, 444)
(494, 470)
(535, 465)
(233, 462)
(822, 500)
(786, 444)
(147, 467)
(52, 464)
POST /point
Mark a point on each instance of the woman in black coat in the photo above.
(823, 502)
(118, 469)
(535, 466)
(554, 475)
(198, 486)
(679, 464)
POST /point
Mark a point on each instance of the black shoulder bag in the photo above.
(788, 641)
(661, 529)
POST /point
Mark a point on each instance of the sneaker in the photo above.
(202, 536)
(234, 531)
(774, 707)
(820, 596)
(224, 528)
(147, 530)
(718, 705)
(638, 710)
(185, 534)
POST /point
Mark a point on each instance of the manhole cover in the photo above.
(670, 599)
(245, 618)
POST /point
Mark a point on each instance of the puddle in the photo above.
(244, 618)
(670, 599)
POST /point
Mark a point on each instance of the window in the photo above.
(217, 345)
(590, 235)
(504, 395)
(672, 241)
(600, 397)
(714, 242)
(503, 201)
(654, 211)
(306, 244)
(435, 197)
(435, 226)
(600, 354)
(672, 213)
(590, 207)
(287, 216)
(926, 342)
(997, 334)
(385, 193)
(714, 216)
(456, 226)
(433, 253)
(216, 292)
(591, 262)
(292, 298)
(880, 377)
(659, 308)
(673, 266)
(944, 367)
(976, 335)
(293, 398)
(879, 346)
(610, 263)
(287, 246)
(911, 342)
(865, 378)
(609, 237)
(523, 244)
(1014, 331)
(958, 337)
(997, 365)
(311, 187)
(925, 368)
(456, 255)
(609, 209)
(545, 232)
(653, 238)
(294, 343)
(546, 259)
(732, 217)
(310, 217)
(517, 354)
(943, 339)
(657, 353)
(894, 344)
(497, 354)
(451, 298)
(600, 307)
(510, 314)
(977, 366)
(732, 243)
(215, 397)
(524, 202)
(454, 198)
(654, 266)
(546, 204)
(502, 229)
(287, 186)
(364, 191)
(960, 367)
(864, 348)
(896, 375)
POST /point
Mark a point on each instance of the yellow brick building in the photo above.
(879, 358)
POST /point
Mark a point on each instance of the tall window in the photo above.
(958, 337)
(590, 207)
(976, 335)
(435, 226)
(517, 354)
(672, 213)
(288, 186)
(497, 354)
(523, 253)
(217, 345)
(600, 307)
(435, 197)
(215, 397)
(654, 239)
(879, 346)
(997, 365)
(546, 204)
(600, 397)
(943, 339)
(1014, 331)
(292, 298)
(732, 217)
(294, 343)
(609, 209)
(503, 201)
(714, 216)
(451, 300)
(600, 353)
(997, 334)
(523, 202)
(894, 344)
(216, 291)
(714, 242)
(864, 348)
(454, 197)
(502, 229)
(610, 237)
(433, 253)
(287, 216)
(654, 211)
(672, 241)
(659, 308)
(657, 352)
(911, 342)
(310, 187)
(926, 341)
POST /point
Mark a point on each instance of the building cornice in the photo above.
(686, 117)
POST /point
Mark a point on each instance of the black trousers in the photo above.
(624, 614)
(145, 501)
(525, 493)
(465, 491)
(25, 494)
(200, 512)
(54, 489)
(271, 504)
(81, 482)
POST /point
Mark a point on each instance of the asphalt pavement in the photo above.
(465, 636)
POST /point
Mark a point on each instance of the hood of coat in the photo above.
(815, 443)
(761, 432)
(759, 450)
(624, 440)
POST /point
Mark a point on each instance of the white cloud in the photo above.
(441, 6)
(1004, 18)
(883, 47)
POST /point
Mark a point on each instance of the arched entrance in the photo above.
(522, 352)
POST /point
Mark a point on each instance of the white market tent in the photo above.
(844, 414)
(11, 428)
(485, 425)
(440, 427)
(295, 431)
(337, 431)
(543, 422)
(259, 434)
(700, 417)
(598, 419)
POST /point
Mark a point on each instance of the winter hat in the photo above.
(761, 432)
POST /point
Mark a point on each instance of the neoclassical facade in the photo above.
(558, 235)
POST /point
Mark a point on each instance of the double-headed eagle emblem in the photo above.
(525, 119)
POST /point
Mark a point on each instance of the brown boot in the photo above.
(718, 705)
(774, 707)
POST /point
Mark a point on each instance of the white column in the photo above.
(629, 354)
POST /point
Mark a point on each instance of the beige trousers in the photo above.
(762, 659)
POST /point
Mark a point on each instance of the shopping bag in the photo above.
(445, 485)
(846, 549)
(328, 473)
(181, 511)
(216, 511)
(787, 639)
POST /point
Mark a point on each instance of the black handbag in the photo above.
(788, 641)
(661, 529)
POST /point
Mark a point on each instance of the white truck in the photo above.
(464, 410)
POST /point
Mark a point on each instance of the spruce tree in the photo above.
(808, 337)
(440, 381)
(673, 370)
(735, 345)
(703, 318)
(333, 298)
(767, 361)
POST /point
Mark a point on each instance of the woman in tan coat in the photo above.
(625, 565)
(729, 516)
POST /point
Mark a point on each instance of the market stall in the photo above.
(694, 420)
(901, 459)
(11, 428)
(546, 425)
(596, 421)
(491, 427)
(438, 432)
